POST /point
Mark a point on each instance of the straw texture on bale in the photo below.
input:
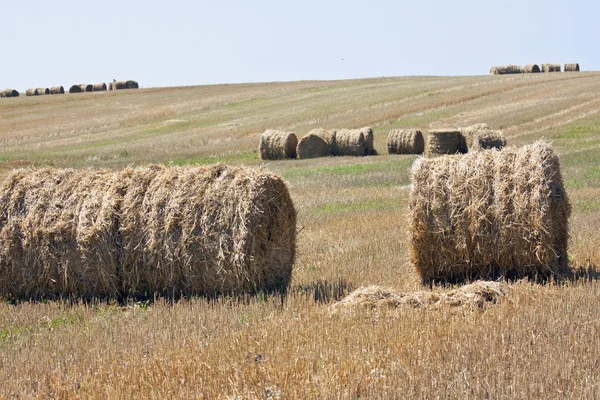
(327, 135)
(42, 91)
(476, 295)
(481, 137)
(99, 87)
(506, 69)
(30, 92)
(118, 85)
(405, 141)
(132, 85)
(550, 67)
(531, 69)
(277, 145)
(57, 90)
(489, 214)
(351, 142)
(369, 140)
(313, 146)
(9, 93)
(166, 230)
(444, 141)
(571, 68)
(75, 89)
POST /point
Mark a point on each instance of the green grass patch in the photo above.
(362, 206)
(225, 158)
(254, 100)
(586, 206)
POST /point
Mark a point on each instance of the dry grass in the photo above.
(541, 341)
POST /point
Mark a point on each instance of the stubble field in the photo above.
(541, 341)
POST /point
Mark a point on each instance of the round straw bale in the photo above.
(42, 91)
(165, 230)
(405, 141)
(132, 85)
(313, 146)
(350, 142)
(277, 145)
(57, 90)
(99, 87)
(444, 141)
(506, 69)
(571, 68)
(85, 87)
(327, 135)
(9, 93)
(369, 140)
(118, 85)
(481, 137)
(550, 67)
(489, 214)
(75, 89)
(531, 69)
(30, 92)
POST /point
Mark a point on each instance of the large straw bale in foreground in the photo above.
(506, 69)
(313, 146)
(550, 67)
(444, 141)
(277, 145)
(571, 67)
(405, 141)
(489, 213)
(57, 90)
(168, 230)
(531, 69)
(481, 137)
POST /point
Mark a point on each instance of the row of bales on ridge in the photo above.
(79, 88)
(532, 69)
(278, 145)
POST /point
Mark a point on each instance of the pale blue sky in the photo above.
(173, 43)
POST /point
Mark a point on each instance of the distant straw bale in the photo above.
(489, 214)
(444, 141)
(9, 93)
(351, 142)
(132, 85)
(118, 85)
(531, 69)
(369, 140)
(99, 87)
(42, 91)
(476, 295)
(571, 68)
(75, 89)
(481, 137)
(313, 146)
(110, 86)
(57, 90)
(140, 231)
(550, 67)
(85, 87)
(405, 141)
(30, 92)
(506, 69)
(277, 145)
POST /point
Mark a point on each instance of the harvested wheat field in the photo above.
(390, 335)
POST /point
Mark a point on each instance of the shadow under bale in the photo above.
(171, 231)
